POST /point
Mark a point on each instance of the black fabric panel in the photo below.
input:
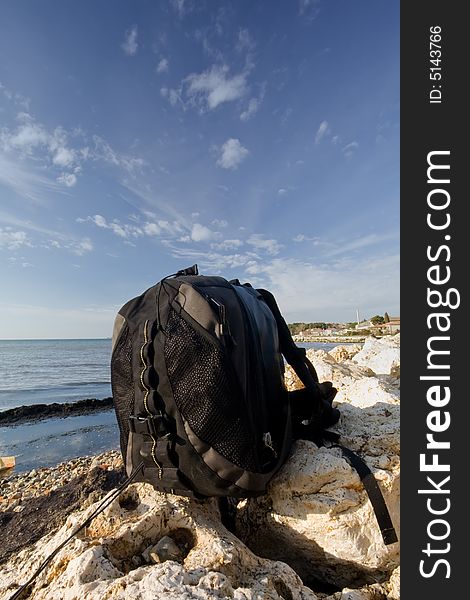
(122, 384)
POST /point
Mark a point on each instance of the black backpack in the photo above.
(197, 376)
(197, 373)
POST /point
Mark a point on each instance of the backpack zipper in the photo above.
(146, 395)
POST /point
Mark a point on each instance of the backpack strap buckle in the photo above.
(153, 425)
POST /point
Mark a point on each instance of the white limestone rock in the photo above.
(356, 384)
(369, 391)
(382, 355)
(328, 369)
(107, 559)
(317, 512)
(344, 352)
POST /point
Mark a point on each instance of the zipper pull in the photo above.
(224, 328)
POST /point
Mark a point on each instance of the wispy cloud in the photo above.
(227, 245)
(244, 41)
(181, 7)
(215, 86)
(322, 130)
(26, 180)
(130, 45)
(232, 154)
(324, 133)
(365, 241)
(35, 160)
(12, 240)
(137, 228)
(18, 99)
(201, 233)
(68, 179)
(104, 151)
(309, 9)
(163, 65)
(350, 149)
(259, 242)
(253, 105)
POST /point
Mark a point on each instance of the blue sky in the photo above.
(257, 139)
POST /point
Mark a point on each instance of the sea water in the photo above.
(46, 371)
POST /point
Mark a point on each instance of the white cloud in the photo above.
(134, 230)
(83, 246)
(309, 9)
(152, 229)
(363, 242)
(227, 245)
(68, 179)
(350, 148)
(163, 66)
(213, 261)
(219, 223)
(173, 96)
(99, 220)
(321, 132)
(259, 242)
(12, 240)
(251, 110)
(63, 157)
(26, 180)
(27, 137)
(130, 45)
(244, 41)
(201, 233)
(232, 154)
(215, 86)
(103, 151)
(121, 230)
(180, 7)
(282, 192)
(48, 150)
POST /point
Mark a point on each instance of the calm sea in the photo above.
(46, 371)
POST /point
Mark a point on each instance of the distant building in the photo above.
(392, 327)
(363, 325)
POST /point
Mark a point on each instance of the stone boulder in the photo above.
(146, 546)
(317, 516)
(382, 355)
(345, 352)
(356, 384)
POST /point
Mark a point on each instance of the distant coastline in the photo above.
(330, 339)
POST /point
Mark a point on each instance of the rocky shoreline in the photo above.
(313, 536)
(38, 412)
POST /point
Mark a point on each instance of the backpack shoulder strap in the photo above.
(295, 356)
(375, 495)
(304, 369)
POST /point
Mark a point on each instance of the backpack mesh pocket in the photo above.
(205, 393)
(122, 384)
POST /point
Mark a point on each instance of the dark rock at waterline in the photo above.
(37, 412)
